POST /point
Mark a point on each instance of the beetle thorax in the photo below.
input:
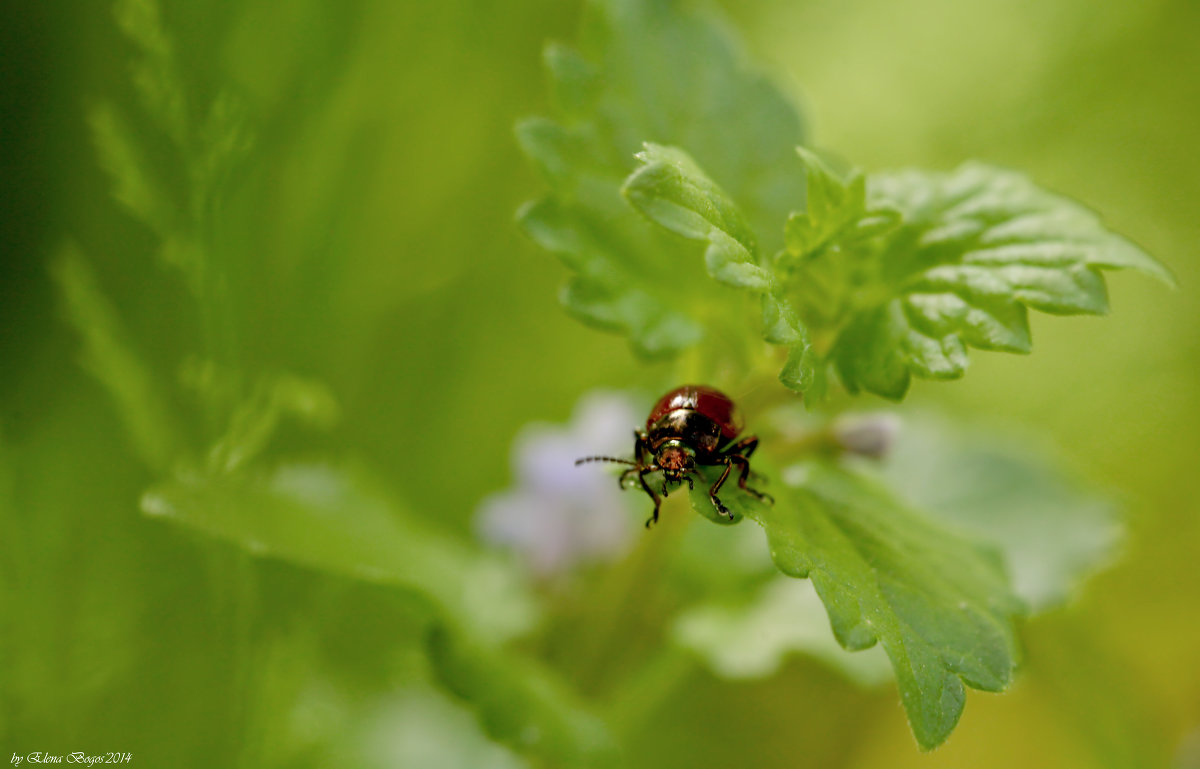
(690, 429)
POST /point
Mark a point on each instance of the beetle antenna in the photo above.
(585, 460)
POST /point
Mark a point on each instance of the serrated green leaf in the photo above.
(981, 215)
(975, 249)
(1009, 492)
(832, 206)
(779, 324)
(658, 72)
(341, 520)
(673, 192)
(937, 603)
(818, 271)
(804, 372)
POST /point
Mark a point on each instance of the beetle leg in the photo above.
(742, 461)
(712, 492)
(641, 447)
(625, 476)
(745, 447)
(691, 485)
(646, 487)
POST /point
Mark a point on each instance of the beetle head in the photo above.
(675, 458)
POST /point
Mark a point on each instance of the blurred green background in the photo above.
(371, 247)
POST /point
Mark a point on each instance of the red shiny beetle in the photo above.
(690, 426)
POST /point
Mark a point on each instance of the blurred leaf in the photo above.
(975, 249)
(155, 73)
(1011, 494)
(6, 477)
(108, 357)
(143, 190)
(752, 639)
(521, 704)
(657, 72)
(421, 727)
(224, 140)
(937, 603)
(254, 420)
(208, 149)
(605, 292)
(725, 562)
(135, 183)
(341, 520)
(1101, 693)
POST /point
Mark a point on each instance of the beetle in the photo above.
(691, 426)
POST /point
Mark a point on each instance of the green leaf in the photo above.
(976, 248)
(520, 703)
(658, 72)
(871, 347)
(751, 639)
(673, 192)
(1010, 492)
(833, 205)
(937, 603)
(815, 270)
(342, 520)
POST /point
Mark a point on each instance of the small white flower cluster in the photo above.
(558, 515)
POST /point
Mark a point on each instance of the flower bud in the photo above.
(868, 435)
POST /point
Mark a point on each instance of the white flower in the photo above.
(558, 514)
